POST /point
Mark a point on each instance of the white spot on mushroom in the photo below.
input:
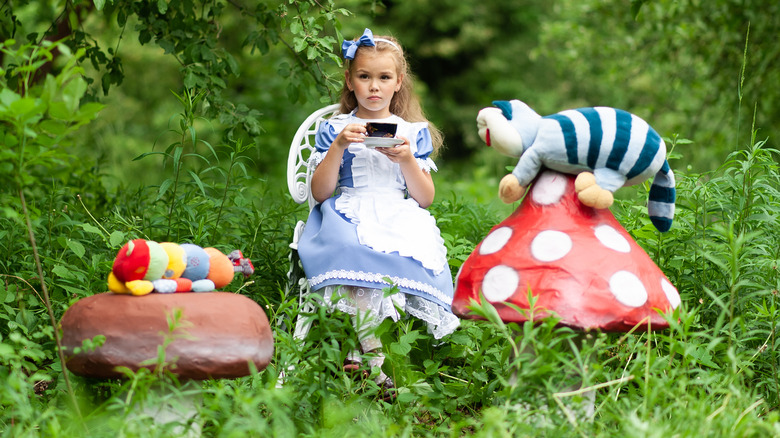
(628, 289)
(671, 293)
(495, 240)
(550, 245)
(500, 283)
(548, 188)
(612, 239)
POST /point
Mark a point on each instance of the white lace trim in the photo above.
(427, 164)
(375, 307)
(316, 158)
(442, 321)
(372, 277)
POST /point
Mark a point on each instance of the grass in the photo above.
(714, 372)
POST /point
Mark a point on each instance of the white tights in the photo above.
(364, 326)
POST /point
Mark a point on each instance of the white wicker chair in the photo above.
(299, 170)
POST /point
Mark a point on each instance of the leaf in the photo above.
(636, 6)
(145, 154)
(117, 238)
(53, 127)
(6, 296)
(72, 93)
(296, 27)
(411, 337)
(91, 229)
(703, 357)
(77, 248)
(190, 80)
(400, 348)
(311, 53)
(89, 111)
(62, 271)
(299, 44)
(7, 97)
(198, 182)
(6, 351)
(177, 155)
(24, 105)
(163, 188)
(232, 64)
(480, 376)
(193, 136)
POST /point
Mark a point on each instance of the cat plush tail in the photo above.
(660, 205)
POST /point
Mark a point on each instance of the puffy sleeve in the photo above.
(424, 150)
(324, 137)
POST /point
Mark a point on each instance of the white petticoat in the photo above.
(375, 307)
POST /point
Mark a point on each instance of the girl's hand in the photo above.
(352, 133)
(398, 154)
(418, 182)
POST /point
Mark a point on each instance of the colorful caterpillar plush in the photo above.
(606, 147)
(144, 266)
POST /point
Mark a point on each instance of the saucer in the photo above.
(381, 142)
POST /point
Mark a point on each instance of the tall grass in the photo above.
(714, 372)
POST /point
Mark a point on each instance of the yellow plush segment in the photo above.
(116, 286)
(177, 260)
(140, 287)
(220, 268)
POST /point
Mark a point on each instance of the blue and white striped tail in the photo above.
(660, 205)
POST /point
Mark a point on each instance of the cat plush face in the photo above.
(509, 128)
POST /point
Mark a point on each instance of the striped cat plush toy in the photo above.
(606, 148)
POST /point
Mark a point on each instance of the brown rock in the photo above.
(219, 335)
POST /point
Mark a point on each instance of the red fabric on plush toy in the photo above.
(132, 262)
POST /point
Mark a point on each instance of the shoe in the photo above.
(353, 364)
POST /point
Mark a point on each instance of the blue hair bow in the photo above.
(350, 47)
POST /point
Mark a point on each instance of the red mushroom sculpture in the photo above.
(578, 262)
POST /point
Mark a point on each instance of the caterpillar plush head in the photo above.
(137, 264)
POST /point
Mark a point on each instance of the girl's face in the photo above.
(374, 80)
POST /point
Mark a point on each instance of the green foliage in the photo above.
(211, 174)
(687, 66)
(36, 120)
(677, 63)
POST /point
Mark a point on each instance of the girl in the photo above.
(375, 226)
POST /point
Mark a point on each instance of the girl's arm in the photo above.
(326, 175)
(418, 182)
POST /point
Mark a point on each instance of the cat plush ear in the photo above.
(579, 263)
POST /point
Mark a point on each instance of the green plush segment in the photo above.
(158, 261)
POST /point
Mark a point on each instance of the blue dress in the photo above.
(371, 231)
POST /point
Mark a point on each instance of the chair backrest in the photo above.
(299, 169)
